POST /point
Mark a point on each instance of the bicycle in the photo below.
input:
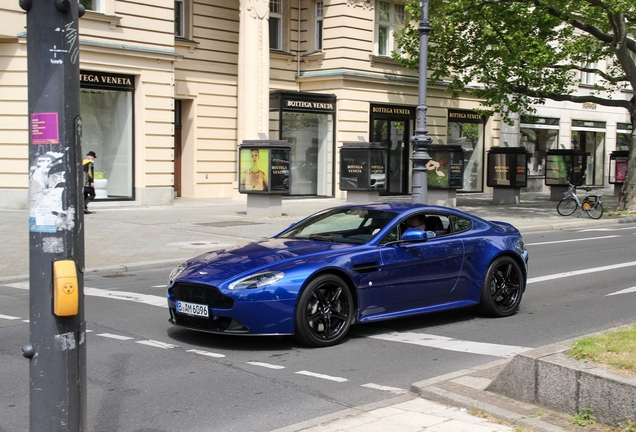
(591, 204)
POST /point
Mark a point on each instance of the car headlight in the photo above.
(257, 280)
(176, 272)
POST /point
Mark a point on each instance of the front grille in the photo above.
(201, 294)
(212, 324)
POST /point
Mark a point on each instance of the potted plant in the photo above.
(100, 185)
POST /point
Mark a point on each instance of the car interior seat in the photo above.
(434, 223)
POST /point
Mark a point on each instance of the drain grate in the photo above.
(227, 223)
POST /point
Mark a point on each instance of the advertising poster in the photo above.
(280, 170)
(254, 169)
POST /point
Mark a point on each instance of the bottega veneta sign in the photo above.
(108, 80)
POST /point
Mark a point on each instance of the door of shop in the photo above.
(394, 131)
(592, 142)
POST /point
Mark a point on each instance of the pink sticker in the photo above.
(45, 128)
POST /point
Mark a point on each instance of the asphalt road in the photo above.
(145, 375)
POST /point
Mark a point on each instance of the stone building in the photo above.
(170, 88)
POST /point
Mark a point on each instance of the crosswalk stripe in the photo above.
(451, 344)
(156, 344)
(8, 317)
(114, 336)
(206, 353)
(266, 365)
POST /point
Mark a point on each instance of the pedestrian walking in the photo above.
(89, 179)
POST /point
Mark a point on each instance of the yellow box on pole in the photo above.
(65, 288)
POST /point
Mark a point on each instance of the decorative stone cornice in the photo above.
(364, 4)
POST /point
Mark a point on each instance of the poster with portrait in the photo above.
(254, 169)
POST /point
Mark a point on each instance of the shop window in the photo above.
(276, 24)
(319, 24)
(623, 136)
(93, 5)
(108, 130)
(466, 129)
(390, 18)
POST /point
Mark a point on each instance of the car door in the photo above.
(416, 274)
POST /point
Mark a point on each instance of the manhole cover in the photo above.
(227, 223)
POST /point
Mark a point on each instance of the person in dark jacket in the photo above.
(89, 178)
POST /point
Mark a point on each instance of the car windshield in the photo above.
(341, 225)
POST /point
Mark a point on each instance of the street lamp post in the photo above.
(421, 140)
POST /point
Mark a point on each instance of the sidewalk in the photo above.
(122, 236)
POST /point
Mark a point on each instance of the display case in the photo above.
(446, 167)
(618, 166)
(507, 167)
(264, 167)
(563, 165)
(363, 166)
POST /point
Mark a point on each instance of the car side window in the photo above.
(460, 224)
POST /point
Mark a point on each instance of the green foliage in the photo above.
(513, 54)
(584, 418)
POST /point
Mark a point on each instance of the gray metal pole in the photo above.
(57, 336)
(421, 140)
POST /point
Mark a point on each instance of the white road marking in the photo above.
(128, 296)
(451, 344)
(317, 375)
(152, 300)
(159, 286)
(606, 229)
(384, 388)
(266, 365)
(624, 291)
(156, 344)
(8, 317)
(206, 353)
(114, 336)
(580, 272)
(572, 240)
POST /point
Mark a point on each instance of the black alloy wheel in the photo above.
(324, 312)
(502, 288)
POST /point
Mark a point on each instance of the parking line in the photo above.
(8, 317)
(206, 353)
(384, 388)
(114, 336)
(317, 375)
(266, 365)
(156, 344)
(580, 272)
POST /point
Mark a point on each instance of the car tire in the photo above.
(502, 288)
(324, 312)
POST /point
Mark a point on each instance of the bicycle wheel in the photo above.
(567, 206)
(596, 211)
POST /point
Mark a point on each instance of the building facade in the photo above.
(170, 89)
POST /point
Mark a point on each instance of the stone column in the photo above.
(253, 69)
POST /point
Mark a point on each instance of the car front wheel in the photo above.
(502, 288)
(324, 312)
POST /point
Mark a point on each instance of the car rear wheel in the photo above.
(324, 312)
(502, 288)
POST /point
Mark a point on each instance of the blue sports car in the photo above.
(352, 264)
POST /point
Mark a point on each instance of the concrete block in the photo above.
(264, 205)
(517, 380)
(556, 384)
(506, 195)
(612, 398)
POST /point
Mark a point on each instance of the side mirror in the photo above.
(414, 234)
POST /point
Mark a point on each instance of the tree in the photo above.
(522, 52)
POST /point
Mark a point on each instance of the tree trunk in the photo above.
(627, 198)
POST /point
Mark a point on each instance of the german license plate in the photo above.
(193, 309)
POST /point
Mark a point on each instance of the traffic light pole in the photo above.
(57, 336)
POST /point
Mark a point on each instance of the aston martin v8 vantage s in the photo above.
(349, 265)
